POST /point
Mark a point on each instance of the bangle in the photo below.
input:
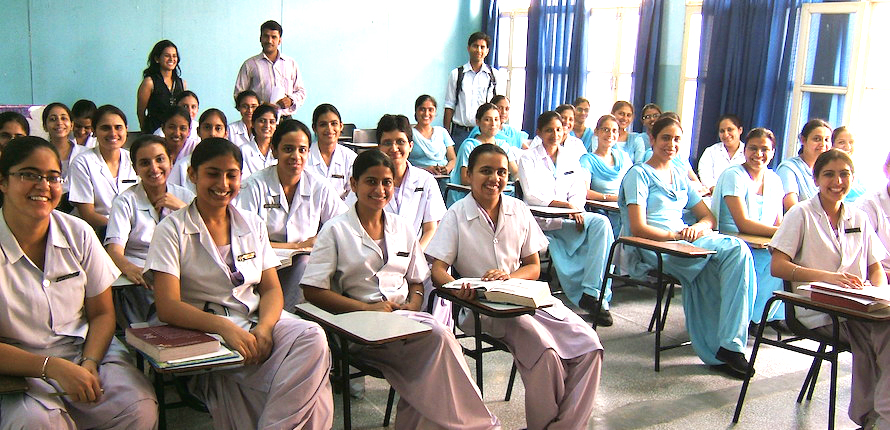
(418, 292)
(85, 358)
(43, 369)
(792, 272)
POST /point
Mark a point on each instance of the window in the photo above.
(689, 78)
(513, 31)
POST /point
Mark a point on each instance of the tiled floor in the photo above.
(686, 394)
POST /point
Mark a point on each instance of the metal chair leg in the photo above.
(510, 384)
(389, 402)
(750, 372)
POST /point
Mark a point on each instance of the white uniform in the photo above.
(190, 142)
(179, 174)
(347, 261)
(808, 238)
(254, 160)
(92, 182)
(43, 313)
(313, 204)
(876, 206)
(291, 388)
(75, 151)
(238, 133)
(715, 159)
(556, 352)
(338, 172)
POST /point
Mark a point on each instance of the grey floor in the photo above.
(685, 394)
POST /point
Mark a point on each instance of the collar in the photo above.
(358, 230)
(304, 188)
(471, 208)
(12, 251)
(485, 68)
(193, 222)
(262, 56)
(142, 202)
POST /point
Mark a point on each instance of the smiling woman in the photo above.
(160, 85)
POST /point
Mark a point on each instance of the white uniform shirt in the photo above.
(807, 237)
(182, 247)
(45, 309)
(338, 172)
(418, 200)
(347, 261)
(715, 159)
(179, 173)
(91, 180)
(272, 80)
(254, 160)
(190, 142)
(466, 241)
(476, 89)
(133, 220)
(75, 151)
(314, 203)
(543, 182)
(876, 206)
(238, 133)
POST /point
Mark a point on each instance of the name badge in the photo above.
(853, 230)
(276, 204)
(129, 181)
(569, 172)
(418, 189)
(337, 176)
(402, 254)
(68, 276)
(247, 256)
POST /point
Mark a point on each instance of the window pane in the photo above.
(599, 92)
(687, 114)
(693, 46)
(623, 87)
(630, 24)
(829, 107)
(520, 39)
(868, 156)
(602, 40)
(517, 96)
(503, 40)
(830, 48)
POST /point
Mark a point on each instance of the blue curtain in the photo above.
(745, 67)
(556, 57)
(490, 19)
(645, 77)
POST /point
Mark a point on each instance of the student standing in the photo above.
(368, 259)
(213, 270)
(57, 323)
(273, 76)
(469, 86)
(161, 84)
(493, 236)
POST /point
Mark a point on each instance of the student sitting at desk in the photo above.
(651, 112)
(876, 205)
(797, 173)
(211, 124)
(134, 215)
(187, 100)
(488, 119)
(632, 143)
(57, 323)
(842, 138)
(57, 123)
(493, 236)
(12, 125)
(728, 151)
(824, 239)
(581, 130)
(177, 126)
(433, 147)
(369, 259)
(327, 158)
(241, 131)
(512, 135)
(101, 173)
(748, 199)
(293, 202)
(551, 175)
(716, 288)
(213, 270)
(257, 153)
(607, 166)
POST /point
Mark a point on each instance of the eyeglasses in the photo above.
(37, 178)
(399, 142)
(651, 116)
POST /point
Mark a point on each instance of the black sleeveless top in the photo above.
(160, 101)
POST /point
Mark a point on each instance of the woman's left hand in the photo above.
(579, 221)
(693, 232)
(264, 342)
(495, 275)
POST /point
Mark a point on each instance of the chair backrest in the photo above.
(347, 133)
(364, 135)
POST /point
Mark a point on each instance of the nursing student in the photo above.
(797, 172)
(650, 113)
(213, 270)
(57, 124)
(748, 199)
(728, 151)
(177, 127)
(488, 119)
(632, 143)
(293, 202)
(134, 215)
(514, 136)
(241, 131)
(103, 172)
(57, 323)
(211, 124)
(823, 239)
(493, 236)
(369, 259)
(567, 116)
(433, 148)
(551, 175)
(327, 157)
(607, 166)
(12, 125)
(876, 205)
(257, 153)
(189, 101)
(82, 123)
(842, 138)
(581, 130)
(652, 198)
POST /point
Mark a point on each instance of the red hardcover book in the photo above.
(165, 342)
(854, 303)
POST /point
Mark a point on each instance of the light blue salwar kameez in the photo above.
(514, 136)
(430, 152)
(634, 146)
(766, 208)
(715, 288)
(607, 179)
(857, 189)
(587, 138)
(797, 178)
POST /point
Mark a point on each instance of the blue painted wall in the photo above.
(365, 57)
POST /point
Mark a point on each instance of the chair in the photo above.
(364, 135)
(823, 353)
(663, 284)
(342, 374)
(347, 133)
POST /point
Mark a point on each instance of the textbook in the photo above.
(522, 292)
(868, 299)
(165, 343)
(221, 357)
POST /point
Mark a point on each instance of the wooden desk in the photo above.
(675, 248)
(551, 212)
(606, 206)
(755, 242)
(459, 188)
(804, 301)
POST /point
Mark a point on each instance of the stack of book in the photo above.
(521, 292)
(867, 299)
(169, 347)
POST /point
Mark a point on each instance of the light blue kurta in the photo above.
(634, 146)
(797, 177)
(857, 189)
(463, 157)
(766, 208)
(607, 179)
(715, 288)
(514, 136)
(587, 138)
(430, 152)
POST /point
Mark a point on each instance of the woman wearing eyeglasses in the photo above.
(57, 323)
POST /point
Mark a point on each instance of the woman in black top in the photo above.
(160, 85)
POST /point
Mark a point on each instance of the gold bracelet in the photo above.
(792, 272)
(43, 369)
